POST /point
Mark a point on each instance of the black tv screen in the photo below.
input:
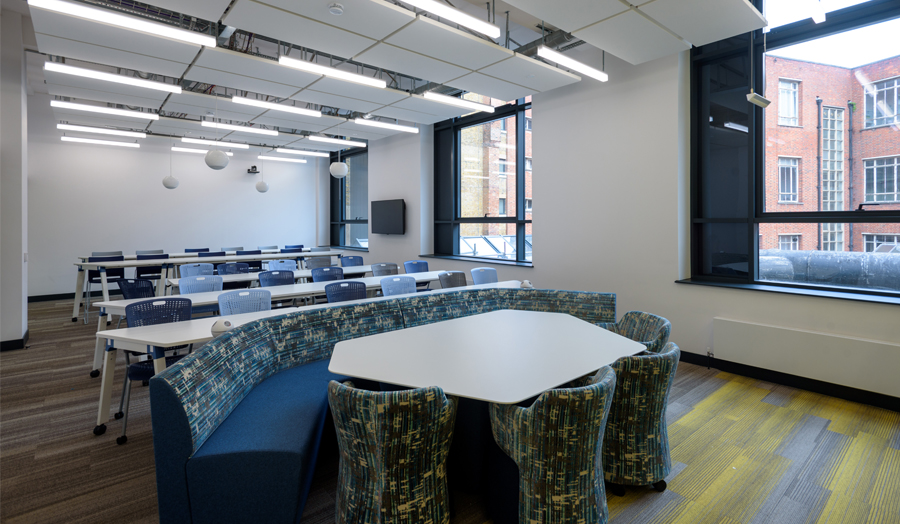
(389, 217)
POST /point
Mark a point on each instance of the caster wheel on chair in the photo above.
(95, 373)
(617, 490)
(121, 440)
(99, 430)
(74, 319)
(118, 415)
(660, 486)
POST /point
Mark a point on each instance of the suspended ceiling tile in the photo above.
(200, 104)
(343, 102)
(152, 97)
(236, 81)
(56, 46)
(410, 63)
(701, 22)
(181, 123)
(115, 98)
(423, 105)
(318, 146)
(408, 115)
(570, 15)
(372, 18)
(205, 9)
(351, 128)
(632, 38)
(289, 121)
(254, 67)
(202, 112)
(530, 73)
(97, 119)
(251, 138)
(449, 44)
(287, 26)
(358, 91)
(490, 86)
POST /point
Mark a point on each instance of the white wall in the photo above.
(85, 198)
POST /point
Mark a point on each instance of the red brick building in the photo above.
(853, 157)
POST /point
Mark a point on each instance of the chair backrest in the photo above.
(149, 252)
(276, 278)
(484, 275)
(415, 266)
(292, 250)
(314, 262)
(211, 254)
(200, 284)
(245, 301)
(398, 285)
(113, 273)
(267, 247)
(152, 256)
(282, 265)
(106, 253)
(161, 310)
(255, 265)
(233, 268)
(149, 271)
(196, 249)
(319, 249)
(295, 246)
(193, 270)
(349, 290)
(351, 261)
(324, 274)
(384, 269)
(383, 462)
(136, 288)
(648, 329)
(248, 252)
(451, 279)
(233, 248)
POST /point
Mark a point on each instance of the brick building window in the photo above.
(883, 180)
(527, 164)
(789, 242)
(832, 159)
(788, 102)
(528, 205)
(788, 179)
(873, 242)
(883, 103)
(832, 237)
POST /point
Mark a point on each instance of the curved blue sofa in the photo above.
(237, 424)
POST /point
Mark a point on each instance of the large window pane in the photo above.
(356, 188)
(783, 12)
(488, 169)
(724, 251)
(488, 241)
(529, 168)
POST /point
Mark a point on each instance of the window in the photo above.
(787, 179)
(873, 242)
(832, 237)
(350, 202)
(789, 242)
(883, 103)
(482, 181)
(527, 124)
(528, 205)
(788, 103)
(883, 180)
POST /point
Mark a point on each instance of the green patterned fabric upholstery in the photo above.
(556, 443)
(596, 308)
(648, 329)
(394, 449)
(636, 446)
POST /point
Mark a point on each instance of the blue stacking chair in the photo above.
(245, 301)
(314, 262)
(233, 268)
(200, 284)
(149, 313)
(255, 265)
(384, 269)
(343, 291)
(276, 278)
(296, 246)
(484, 275)
(351, 261)
(136, 288)
(325, 274)
(417, 266)
(149, 272)
(292, 250)
(451, 279)
(211, 254)
(196, 250)
(93, 276)
(193, 270)
(282, 265)
(233, 248)
(398, 285)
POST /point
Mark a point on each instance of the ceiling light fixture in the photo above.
(311, 67)
(456, 16)
(278, 159)
(575, 65)
(109, 77)
(200, 141)
(338, 141)
(192, 150)
(100, 142)
(132, 23)
(458, 102)
(275, 107)
(395, 127)
(305, 153)
(100, 131)
(242, 129)
(104, 110)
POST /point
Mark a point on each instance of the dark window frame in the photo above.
(338, 219)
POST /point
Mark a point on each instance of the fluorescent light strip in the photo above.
(99, 142)
(191, 150)
(132, 23)
(458, 102)
(275, 107)
(242, 129)
(332, 72)
(100, 131)
(109, 77)
(456, 16)
(736, 127)
(278, 159)
(575, 65)
(105, 110)
(395, 127)
(200, 141)
(298, 152)
(315, 138)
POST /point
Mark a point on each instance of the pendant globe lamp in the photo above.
(339, 169)
(170, 182)
(215, 158)
(262, 186)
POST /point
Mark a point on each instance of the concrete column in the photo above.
(323, 202)
(13, 184)
(426, 190)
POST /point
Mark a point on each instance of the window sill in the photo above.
(790, 203)
(350, 248)
(798, 126)
(818, 293)
(481, 260)
(879, 126)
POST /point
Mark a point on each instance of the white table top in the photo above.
(504, 357)
(207, 260)
(191, 255)
(298, 273)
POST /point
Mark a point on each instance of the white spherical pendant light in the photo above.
(216, 159)
(170, 182)
(339, 169)
(262, 186)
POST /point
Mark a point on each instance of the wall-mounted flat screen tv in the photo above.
(389, 217)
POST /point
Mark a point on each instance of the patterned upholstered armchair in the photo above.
(636, 445)
(394, 449)
(555, 443)
(646, 328)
